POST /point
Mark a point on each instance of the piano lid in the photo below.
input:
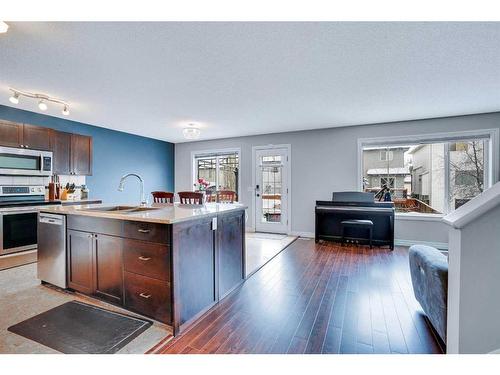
(353, 196)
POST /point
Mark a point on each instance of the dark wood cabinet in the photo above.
(147, 259)
(81, 154)
(173, 273)
(148, 296)
(108, 270)
(36, 137)
(14, 134)
(60, 144)
(11, 134)
(72, 153)
(230, 245)
(193, 252)
(80, 261)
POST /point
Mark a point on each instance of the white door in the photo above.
(271, 190)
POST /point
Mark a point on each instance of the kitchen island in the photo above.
(170, 262)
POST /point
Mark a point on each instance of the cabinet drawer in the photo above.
(148, 296)
(146, 231)
(147, 259)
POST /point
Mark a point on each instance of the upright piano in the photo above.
(353, 205)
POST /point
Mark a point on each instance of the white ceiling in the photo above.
(253, 78)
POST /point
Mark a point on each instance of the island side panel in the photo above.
(193, 269)
(231, 251)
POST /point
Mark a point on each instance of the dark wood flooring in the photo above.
(317, 298)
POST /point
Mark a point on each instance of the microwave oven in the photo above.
(25, 162)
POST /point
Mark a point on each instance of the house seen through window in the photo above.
(432, 178)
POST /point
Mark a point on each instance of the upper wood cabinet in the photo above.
(24, 136)
(81, 154)
(36, 137)
(11, 134)
(60, 144)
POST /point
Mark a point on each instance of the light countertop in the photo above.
(35, 207)
(163, 213)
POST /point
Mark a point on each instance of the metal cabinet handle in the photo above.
(144, 258)
(144, 230)
(146, 296)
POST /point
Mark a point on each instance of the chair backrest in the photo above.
(163, 197)
(190, 197)
(226, 196)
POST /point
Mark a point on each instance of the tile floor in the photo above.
(22, 296)
(262, 247)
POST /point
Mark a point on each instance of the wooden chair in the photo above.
(162, 197)
(191, 197)
(226, 196)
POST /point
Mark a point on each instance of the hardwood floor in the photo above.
(317, 298)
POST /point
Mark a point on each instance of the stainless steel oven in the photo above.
(18, 230)
(19, 206)
(24, 162)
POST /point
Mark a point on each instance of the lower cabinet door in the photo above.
(108, 268)
(148, 296)
(80, 261)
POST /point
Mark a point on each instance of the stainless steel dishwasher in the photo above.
(52, 249)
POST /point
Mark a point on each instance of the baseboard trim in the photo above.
(437, 245)
(302, 234)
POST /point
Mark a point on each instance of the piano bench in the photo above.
(368, 224)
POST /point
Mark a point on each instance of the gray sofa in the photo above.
(429, 276)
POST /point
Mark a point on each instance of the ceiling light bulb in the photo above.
(3, 27)
(14, 98)
(65, 110)
(191, 132)
(42, 105)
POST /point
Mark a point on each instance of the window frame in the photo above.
(491, 137)
(389, 153)
(212, 153)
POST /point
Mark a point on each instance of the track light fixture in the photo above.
(42, 105)
(42, 100)
(14, 98)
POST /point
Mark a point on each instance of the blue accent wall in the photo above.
(115, 153)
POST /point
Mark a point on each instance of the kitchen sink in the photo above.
(119, 209)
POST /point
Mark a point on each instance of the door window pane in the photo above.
(271, 188)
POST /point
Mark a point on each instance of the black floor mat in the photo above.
(76, 327)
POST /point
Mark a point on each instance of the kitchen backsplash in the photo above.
(24, 180)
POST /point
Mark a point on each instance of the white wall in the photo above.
(326, 160)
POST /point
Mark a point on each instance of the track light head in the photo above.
(42, 105)
(14, 98)
(3, 27)
(65, 110)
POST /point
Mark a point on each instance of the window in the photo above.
(387, 181)
(431, 176)
(386, 155)
(216, 171)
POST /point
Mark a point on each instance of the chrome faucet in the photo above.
(122, 185)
